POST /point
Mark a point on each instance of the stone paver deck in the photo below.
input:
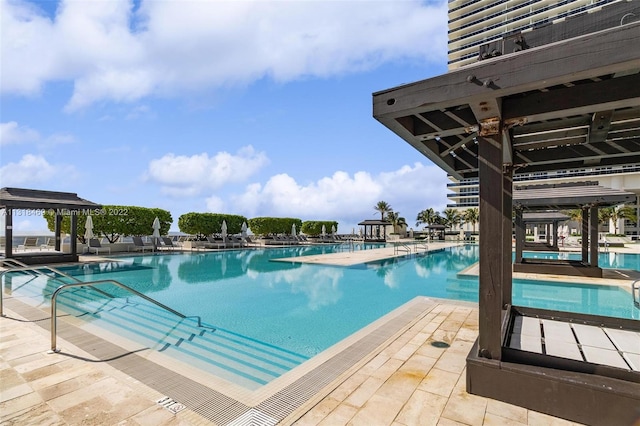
(416, 378)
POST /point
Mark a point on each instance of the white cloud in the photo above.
(11, 132)
(181, 175)
(165, 48)
(33, 169)
(347, 199)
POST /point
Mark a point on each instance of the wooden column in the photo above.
(8, 232)
(507, 234)
(593, 235)
(58, 231)
(554, 230)
(520, 235)
(585, 234)
(491, 246)
(74, 233)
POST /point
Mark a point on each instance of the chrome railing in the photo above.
(22, 267)
(63, 287)
(635, 293)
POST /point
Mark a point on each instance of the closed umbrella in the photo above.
(333, 230)
(88, 229)
(244, 229)
(293, 230)
(156, 232)
(324, 231)
(224, 230)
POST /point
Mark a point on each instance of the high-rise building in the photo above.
(477, 23)
(482, 29)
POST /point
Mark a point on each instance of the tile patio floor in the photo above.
(409, 382)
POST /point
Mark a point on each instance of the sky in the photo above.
(255, 108)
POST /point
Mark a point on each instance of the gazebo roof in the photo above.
(20, 198)
(568, 196)
(374, 222)
(544, 217)
(571, 104)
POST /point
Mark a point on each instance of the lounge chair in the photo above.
(168, 243)
(233, 241)
(29, 243)
(94, 245)
(139, 245)
(49, 245)
(213, 243)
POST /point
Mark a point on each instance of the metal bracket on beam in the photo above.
(490, 126)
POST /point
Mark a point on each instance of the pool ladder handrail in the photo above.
(79, 283)
(635, 289)
(91, 284)
(23, 267)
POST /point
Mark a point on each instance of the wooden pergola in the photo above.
(372, 229)
(14, 200)
(538, 200)
(570, 104)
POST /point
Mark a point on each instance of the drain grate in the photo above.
(171, 405)
(253, 417)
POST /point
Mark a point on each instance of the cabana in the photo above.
(587, 197)
(571, 104)
(375, 230)
(30, 201)
(550, 222)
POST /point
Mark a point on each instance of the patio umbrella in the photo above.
(293, 230)
(244, 229)
(88, 229)
(333, 230)
(156, 232)
(324, 231)
(224, 230)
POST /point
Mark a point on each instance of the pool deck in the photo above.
(415, 377)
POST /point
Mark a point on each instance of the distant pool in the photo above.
(306, 308)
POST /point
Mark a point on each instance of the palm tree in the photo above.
(615, 214)
(472, 216)
(383, 207)
(428, 217)
(396, 221)
(451, 217)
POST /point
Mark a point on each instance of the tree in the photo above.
(451, 217)
(428, 217)
(396, 221)
(472, 216)
(615, 214)
(383, 207)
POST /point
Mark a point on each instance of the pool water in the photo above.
(306, 308)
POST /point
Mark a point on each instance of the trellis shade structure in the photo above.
(561, 106)
(571, 104)
(62, 203)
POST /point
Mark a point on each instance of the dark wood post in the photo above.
(74, 232)
(58, 231)
(520, 235)
(585, 234)
(8, 232)
(593, 228)
(491, 260)
(507, 234)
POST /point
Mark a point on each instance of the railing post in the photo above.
(54, 323)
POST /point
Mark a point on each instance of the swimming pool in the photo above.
(289, 312)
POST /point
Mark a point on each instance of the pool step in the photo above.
(234, 357)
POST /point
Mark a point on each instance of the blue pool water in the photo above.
(307, 308)
(302, 309)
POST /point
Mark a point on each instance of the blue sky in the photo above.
(258, 108)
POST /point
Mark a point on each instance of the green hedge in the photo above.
(202, 224)
(314, 227)
(273, 225)
(112, 221)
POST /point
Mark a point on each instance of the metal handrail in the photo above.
(91, 284)
(26, 268)
(397, 247)
(635, 288)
